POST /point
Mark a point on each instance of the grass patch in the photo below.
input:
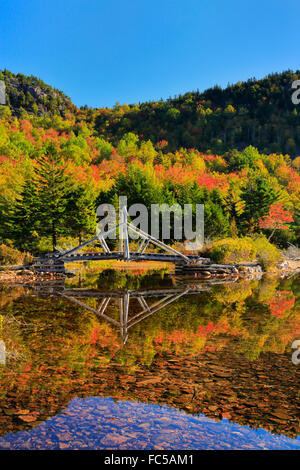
(135, 267)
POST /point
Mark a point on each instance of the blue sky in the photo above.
(100, 52)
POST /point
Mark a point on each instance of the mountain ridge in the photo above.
(257, 112)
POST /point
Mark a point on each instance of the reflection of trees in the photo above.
(282, 303)
(74, 351)
(10, 347)
(12, 330)
(210, 320)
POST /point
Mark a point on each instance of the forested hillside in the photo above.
(256, 112)
(32, 95)
(229, 149)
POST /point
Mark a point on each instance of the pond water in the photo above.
(146, 362)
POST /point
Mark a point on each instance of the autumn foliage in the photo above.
(277, 218)
(154, 153)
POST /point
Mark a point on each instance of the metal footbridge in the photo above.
(55, 262)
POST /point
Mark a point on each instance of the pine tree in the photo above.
(81, 212)
(258, 195)
(52, 187)
(25, 221)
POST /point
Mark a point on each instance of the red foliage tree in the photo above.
(277, 218)
(162, 144)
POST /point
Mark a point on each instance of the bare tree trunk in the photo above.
(53, 235)
(275, 228)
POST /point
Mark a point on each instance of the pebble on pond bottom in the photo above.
(103, 423)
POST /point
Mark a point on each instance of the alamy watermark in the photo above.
(296, 353)
(296, 94)
(2, 353)
(161, 222)
(2, 93)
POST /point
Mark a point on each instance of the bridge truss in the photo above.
(55, 261)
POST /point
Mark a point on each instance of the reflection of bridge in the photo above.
(125, 321)
(137, 301)
(55, 261)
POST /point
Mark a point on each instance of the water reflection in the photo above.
(149, 301)
(102, 423)
(220, 351)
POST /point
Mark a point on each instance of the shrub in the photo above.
(267, 254)
(43, 245)
(233, 250)
(9, 255)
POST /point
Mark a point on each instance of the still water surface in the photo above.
(149, 363)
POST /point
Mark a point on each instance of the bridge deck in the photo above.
(116, 255)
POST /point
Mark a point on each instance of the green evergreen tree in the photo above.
(81, 212)
(6, 224)
(25, 221)
(258, 195)
(52, 187)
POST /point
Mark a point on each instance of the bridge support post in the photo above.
(121, 230)
(124, 307)
(49, 265)
(126, 239)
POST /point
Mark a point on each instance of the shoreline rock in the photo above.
(27, 276)
(250, 271)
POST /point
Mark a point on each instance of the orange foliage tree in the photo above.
(277, 218)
